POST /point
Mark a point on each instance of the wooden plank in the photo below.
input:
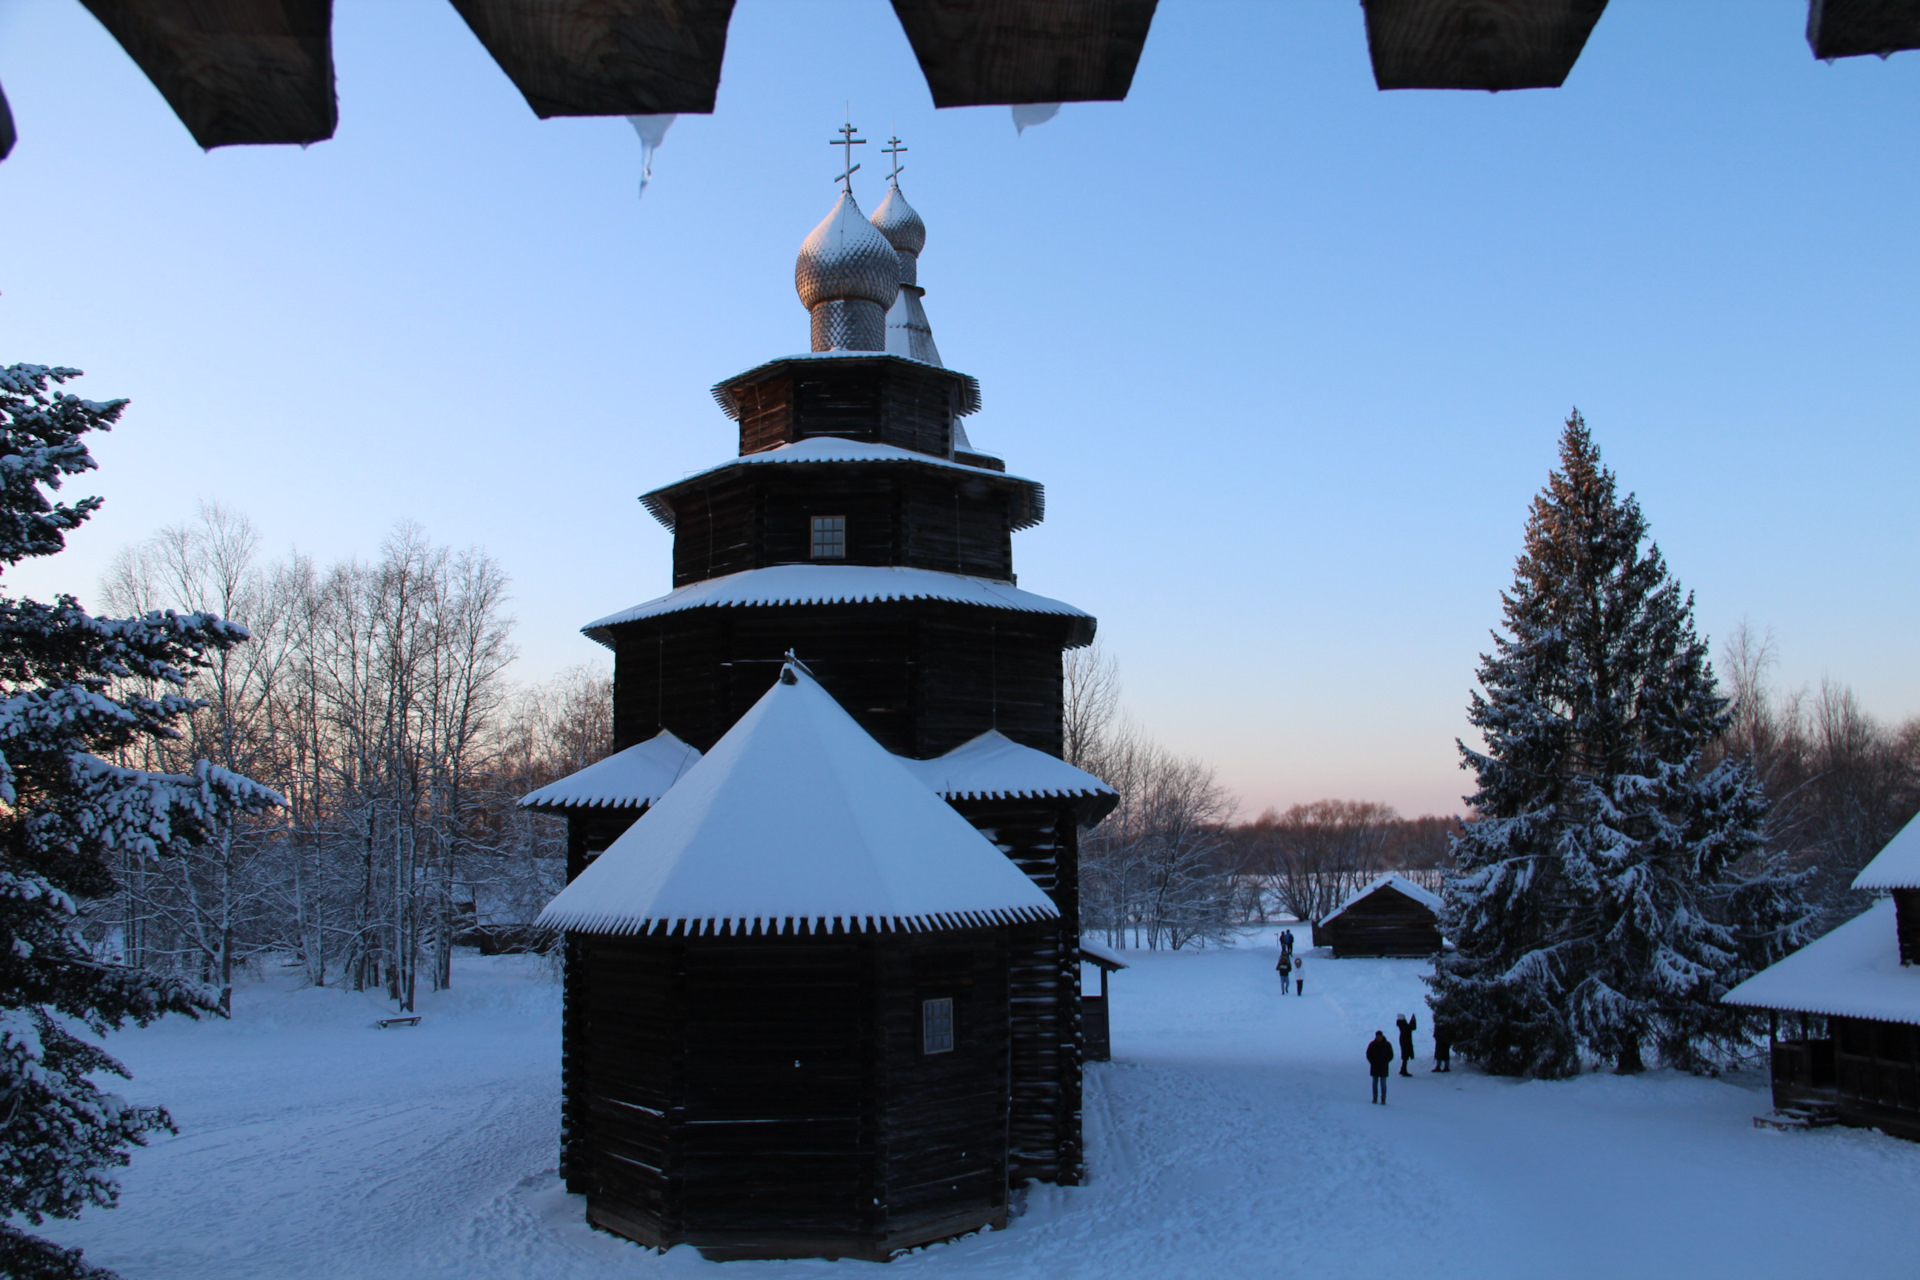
(234, 71)
(983, 52)
(7, 135)
(1851, 28)
(606, 57)
(1477, 44)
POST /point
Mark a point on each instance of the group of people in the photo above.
(1380, 1053)
(1379, 1049)
(1290, 968)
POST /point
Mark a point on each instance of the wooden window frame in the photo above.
(937, 1032)
(829, 532)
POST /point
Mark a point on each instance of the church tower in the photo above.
(859, 530)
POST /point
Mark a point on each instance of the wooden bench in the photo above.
(412, 1020)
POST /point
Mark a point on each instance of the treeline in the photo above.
(1304, 862)
(1839, 782)
(374, 696)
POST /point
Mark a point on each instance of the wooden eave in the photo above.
(242, 71)
(606, 57)
(1850, 28)
(1028, 498)
(1477, 44)
(987, 52)
(794, 365)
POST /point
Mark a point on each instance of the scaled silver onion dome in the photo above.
(845, 257)
(896, 220)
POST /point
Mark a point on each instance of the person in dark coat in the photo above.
(1286, 971)
(1442, 1046)
(1379, 1063)
(1407, 1026)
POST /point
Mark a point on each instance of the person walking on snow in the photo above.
(1299, 983)
(1286, 971)
(1379, 1063)
(1406, 1025)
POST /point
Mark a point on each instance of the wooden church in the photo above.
(859, 529)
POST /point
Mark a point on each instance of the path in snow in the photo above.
(1231, 1137)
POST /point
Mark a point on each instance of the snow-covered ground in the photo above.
(1230, 1137)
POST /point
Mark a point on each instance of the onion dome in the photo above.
(896, 220)
(847, 276)
(908, 331)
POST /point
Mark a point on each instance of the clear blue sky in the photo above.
(1290, 354)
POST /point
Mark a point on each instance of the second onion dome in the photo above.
(847, 276)
(908, 333)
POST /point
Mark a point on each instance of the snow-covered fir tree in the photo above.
(1610, 886)
(69, 704)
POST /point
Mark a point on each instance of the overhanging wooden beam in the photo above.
(6, 127)
(1477, 44)
(606, 57)
(1849, 28)
(988, 52)
(234, 71)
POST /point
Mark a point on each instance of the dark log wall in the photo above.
(716, 1078)
(1043, 840)
(1877, 1074)
(882, 401)
(943, 1117)
(590, 831)
(1384, 923)
(763, 516)
(1906, 923)
(921, 676)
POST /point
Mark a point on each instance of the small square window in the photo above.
(936, 1025)
(829, 537)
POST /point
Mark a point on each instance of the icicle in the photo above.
(652, 131)
(1027, 114)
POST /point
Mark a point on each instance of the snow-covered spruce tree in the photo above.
(67, 814)
(1610, 886)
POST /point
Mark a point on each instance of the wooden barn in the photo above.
(1393, 916)
(1860, 984)
(794, 1001)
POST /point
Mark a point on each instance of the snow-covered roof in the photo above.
(1426, 899)
(969, 385)
(1852, 972)
(790, 584)
(626, 779)
(1100, 953)
(1030, 498)
(994, 767)
(795, 820)
(1897, 866)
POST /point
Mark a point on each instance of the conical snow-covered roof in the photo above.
(797, 820)
(1897, 866)
(626, 779)
(995, 767)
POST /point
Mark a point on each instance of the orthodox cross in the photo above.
(893, 149)
(847, 140)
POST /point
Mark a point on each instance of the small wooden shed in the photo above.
(793, 1022)
(1393, 916)
(1096, 1029)
(1862, 981)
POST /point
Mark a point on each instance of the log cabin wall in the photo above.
(922, 676)
(943, 1117)
(1384, 923)
(591, 830)
(1906, 923)
(758, 516)
(879, 399)
(721, 1076)
(1877, 1074)
(1042, 837)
